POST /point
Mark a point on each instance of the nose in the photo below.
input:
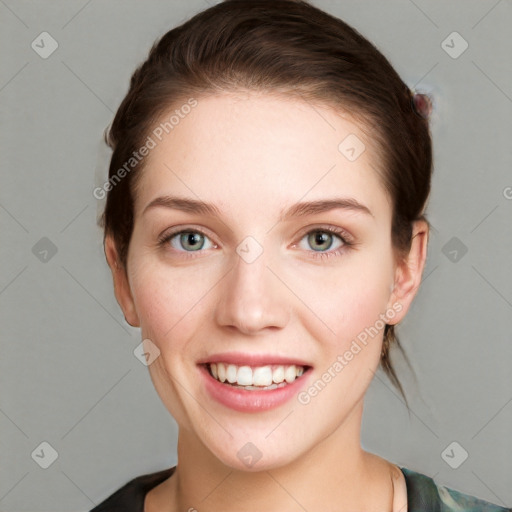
(253, 299)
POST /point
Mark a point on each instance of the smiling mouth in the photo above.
(256, 378)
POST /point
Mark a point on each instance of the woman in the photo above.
(265, 229)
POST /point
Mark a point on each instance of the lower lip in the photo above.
(244, 400)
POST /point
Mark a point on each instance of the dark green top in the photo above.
(423, 495)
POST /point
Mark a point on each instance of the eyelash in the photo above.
(341, 234)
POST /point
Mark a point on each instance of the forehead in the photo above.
(236, 149)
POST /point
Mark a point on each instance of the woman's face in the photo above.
(261, 284)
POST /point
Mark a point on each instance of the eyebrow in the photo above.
(302, 209)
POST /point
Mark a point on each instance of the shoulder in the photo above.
(130, 497)
(424, 494)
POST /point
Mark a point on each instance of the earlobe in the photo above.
(409, 271)
(121, 284)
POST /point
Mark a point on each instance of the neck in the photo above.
(336, 473)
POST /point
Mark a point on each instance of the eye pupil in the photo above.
(321, 237)
(191, 238)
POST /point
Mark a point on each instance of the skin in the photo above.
(252, 155)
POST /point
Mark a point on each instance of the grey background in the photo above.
(68, 373)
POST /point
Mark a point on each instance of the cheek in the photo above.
(154, 296)
(348, 299)
(170, 308)
(168, 302)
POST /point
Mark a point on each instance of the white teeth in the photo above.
(231, 371)
(262, 376)
(221, 370)
(268, 377)
(290, 373)
(278, 374)
(244, 376)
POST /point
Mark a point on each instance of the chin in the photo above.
(253, 461)
(251, 452)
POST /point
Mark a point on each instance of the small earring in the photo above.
(422, 105)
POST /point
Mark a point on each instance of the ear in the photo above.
(408, 273)
(121, 284)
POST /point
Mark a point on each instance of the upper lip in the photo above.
(244, 359)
